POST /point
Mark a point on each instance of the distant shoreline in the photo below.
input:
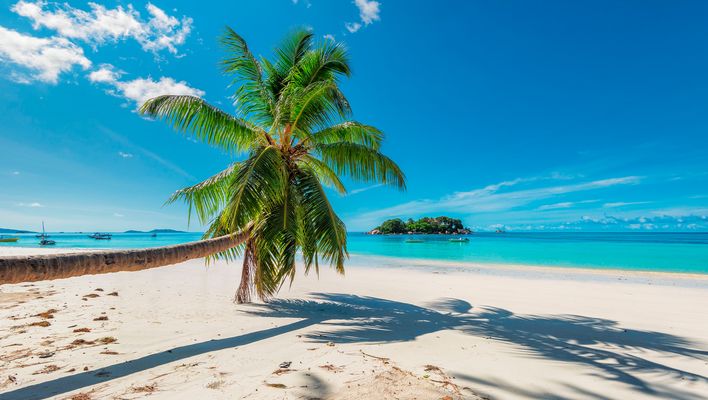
(517, 269)
(521, 268)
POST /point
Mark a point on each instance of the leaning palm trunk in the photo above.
(57, 266)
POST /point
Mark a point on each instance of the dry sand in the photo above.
(390, 329)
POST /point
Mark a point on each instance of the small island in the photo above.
(6, 230)
(426, 225)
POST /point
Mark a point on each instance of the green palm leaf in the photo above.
(361, 163)
(207, 197)
(207, 123)
(252, 97)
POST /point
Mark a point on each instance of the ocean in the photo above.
(666, 252)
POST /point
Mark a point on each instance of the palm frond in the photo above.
(319, 224)
(206, 122)
(349, 132)
(288, 55)
(361, 163)
(326, 62)
(258, 183)
(252, 98)
(319, 104)
(275, 240)
(207, 197)
(323, 172)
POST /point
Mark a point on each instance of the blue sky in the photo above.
(530, 115)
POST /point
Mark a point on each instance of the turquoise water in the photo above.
(119, 240)
(669, 252)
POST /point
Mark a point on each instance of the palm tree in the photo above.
(293, 123)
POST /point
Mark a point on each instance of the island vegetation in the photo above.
(426, 225)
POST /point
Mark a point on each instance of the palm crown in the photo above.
(294, 123)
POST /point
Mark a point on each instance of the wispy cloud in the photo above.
(31, 205)
(329, 37)
(125, 155)
(564, 204)
(99, 24)
(624, 204)
(118, 215)
(364, 189)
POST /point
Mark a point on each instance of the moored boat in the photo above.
(458, 240)
(44, 236)
(8, 239)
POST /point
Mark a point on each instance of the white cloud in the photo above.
(100, 24)
(141, 89)
(31, 205)
(329, 37)
(368, 10)
(15, 172)
(352, 26)
(105, 74)
(623, 204)
(125, 155)
(42, 59)
(118, 215)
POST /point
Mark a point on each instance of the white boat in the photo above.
(101, 236)
(44, 236)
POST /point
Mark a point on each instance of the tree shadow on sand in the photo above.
(343, 318)
(567, 338)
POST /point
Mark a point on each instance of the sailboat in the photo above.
(45, 241)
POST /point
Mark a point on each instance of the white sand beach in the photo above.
(381, 332)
